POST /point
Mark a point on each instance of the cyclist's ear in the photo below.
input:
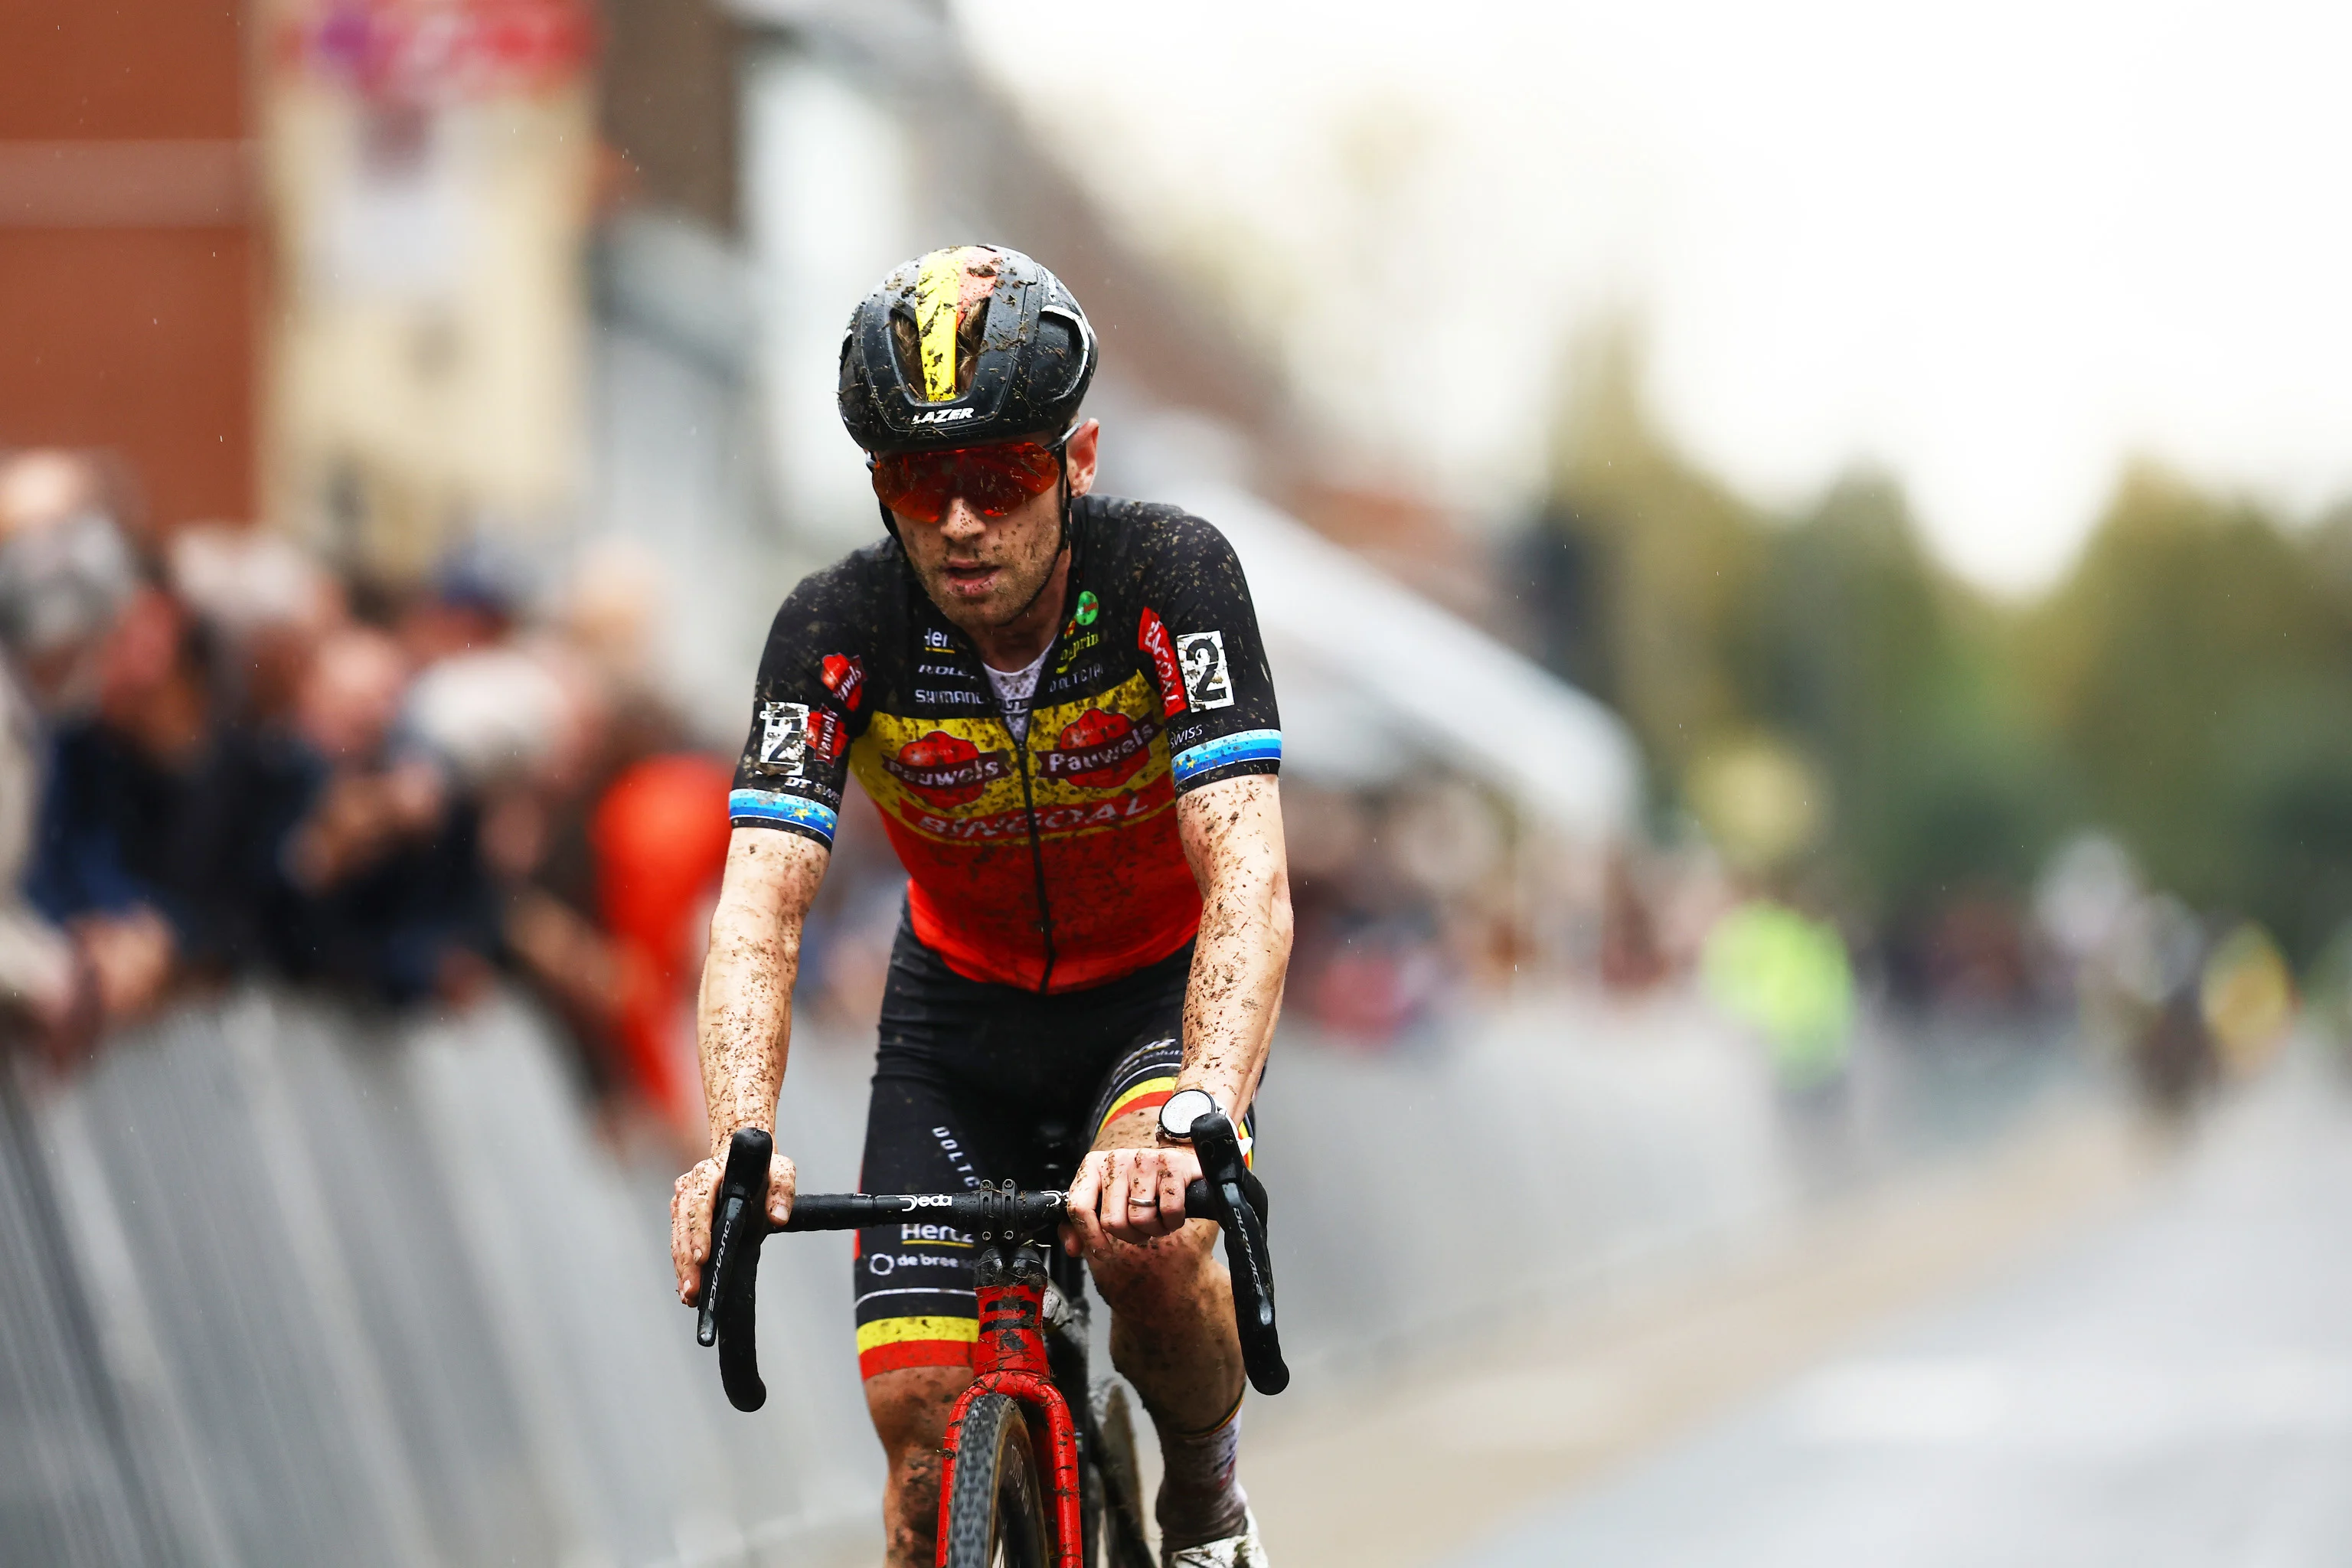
(1082, 454)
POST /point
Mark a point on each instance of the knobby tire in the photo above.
(996, 1515)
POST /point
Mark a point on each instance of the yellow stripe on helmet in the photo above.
(937, 291)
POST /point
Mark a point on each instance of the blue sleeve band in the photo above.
(1249, 746)
(769, 809)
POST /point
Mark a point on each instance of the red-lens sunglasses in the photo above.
(993, 480)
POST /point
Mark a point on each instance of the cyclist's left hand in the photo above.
(1129, 1195)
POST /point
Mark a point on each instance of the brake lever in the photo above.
(730, 1274)
(1230, 1193)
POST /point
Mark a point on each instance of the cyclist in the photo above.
(1060, 704)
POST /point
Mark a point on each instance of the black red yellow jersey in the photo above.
(1052, 863)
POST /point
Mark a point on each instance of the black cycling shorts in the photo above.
(979, 1082)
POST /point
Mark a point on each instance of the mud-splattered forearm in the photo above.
(1232, 832)
(744, 1022)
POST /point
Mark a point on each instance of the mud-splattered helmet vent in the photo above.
(907, 346)
(1059, 342)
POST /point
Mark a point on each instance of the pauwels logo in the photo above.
(947, 770)
(784, 738)
(1206, 679)
(1100, 751)
(1151, 636)
(944, 416)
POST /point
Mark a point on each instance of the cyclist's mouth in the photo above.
(971, 580)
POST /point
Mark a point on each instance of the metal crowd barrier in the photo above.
(282, 1283)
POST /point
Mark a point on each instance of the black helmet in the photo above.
(962, 347)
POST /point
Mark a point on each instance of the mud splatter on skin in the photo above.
(1172, 1306)
(744, 1022)
(909, 1408)
(912, 1532)
(1171, 1325)
(1232, 833)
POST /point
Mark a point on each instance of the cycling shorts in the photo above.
(979, 1082)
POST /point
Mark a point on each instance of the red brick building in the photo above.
(129, 244)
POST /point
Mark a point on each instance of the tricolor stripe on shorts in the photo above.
(1144, 1080)
(887, 1344)
(1150, 1095)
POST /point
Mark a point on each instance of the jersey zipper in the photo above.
(1036, 854)
(1028, 794)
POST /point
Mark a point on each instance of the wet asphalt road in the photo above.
(2172, 1387)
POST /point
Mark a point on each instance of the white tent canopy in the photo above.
(1375, 678)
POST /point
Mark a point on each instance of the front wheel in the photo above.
(996, 1514)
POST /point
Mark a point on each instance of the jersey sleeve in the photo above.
(1199, 635)
(808, 704)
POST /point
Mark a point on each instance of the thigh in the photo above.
(938, 1122)
(912, 1280)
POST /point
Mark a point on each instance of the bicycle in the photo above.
(1038, 1461)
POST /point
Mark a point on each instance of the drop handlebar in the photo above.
(1227, 1194)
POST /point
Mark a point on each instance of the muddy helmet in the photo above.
(962, 347)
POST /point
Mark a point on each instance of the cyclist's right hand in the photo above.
(689, 1214)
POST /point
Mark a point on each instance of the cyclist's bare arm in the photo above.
(1232, 833)
(744, 1021)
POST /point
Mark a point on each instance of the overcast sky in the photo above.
(1994, 248)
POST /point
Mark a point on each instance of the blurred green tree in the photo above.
(1713, 627)
(1659, 564)
(2197, 666)
(2186, 687)
(1897, 680)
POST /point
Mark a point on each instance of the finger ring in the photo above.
(1141, 1203)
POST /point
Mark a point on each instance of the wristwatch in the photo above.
(1182, 1109)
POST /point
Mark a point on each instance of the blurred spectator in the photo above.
(471, 604)
(211, 767)
(37, 967)
(660, 835)
(2246, 995)
(267, 602)
(1631, 959)
(113, 861)
(389, 895)
(65, 573)
(530, 731)
(1788, 977)
(1967, 954)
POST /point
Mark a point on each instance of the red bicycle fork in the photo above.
(1010, 1359)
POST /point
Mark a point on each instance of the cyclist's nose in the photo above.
(961, 519)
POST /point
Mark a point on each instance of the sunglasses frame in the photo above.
(1058, 449)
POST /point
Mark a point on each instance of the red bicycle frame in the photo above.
(1010, 1359)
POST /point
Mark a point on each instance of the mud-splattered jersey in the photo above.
(1051, 863)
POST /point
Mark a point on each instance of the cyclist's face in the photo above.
(984, 571)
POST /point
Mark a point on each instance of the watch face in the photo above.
(1184, 1108)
